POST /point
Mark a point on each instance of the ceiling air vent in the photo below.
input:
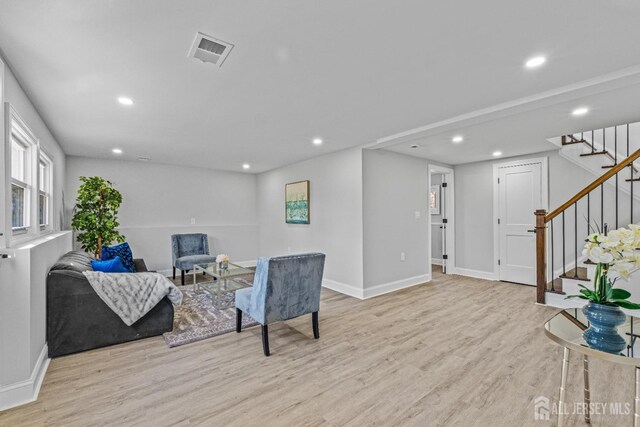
(209, 49)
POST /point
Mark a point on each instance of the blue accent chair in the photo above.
(188, 250)
(283, 288)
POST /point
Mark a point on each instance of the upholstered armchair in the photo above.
(188, 250)
(283, 288)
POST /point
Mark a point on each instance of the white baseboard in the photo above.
(436, 261)
(343, 288)
(26, 391)
(385, 288)
(478, 274)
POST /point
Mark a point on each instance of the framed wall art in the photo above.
(434, 200)
(297, 202)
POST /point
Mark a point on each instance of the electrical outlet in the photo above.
(401, 256)
(288, 249)
(193, 221)
(417, 213)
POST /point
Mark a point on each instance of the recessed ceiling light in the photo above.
(497, 153)
(535, 62)
(457, 139)
(117, 151)
(246, 166)
(125, 101)
(580, 111)
(317, 141)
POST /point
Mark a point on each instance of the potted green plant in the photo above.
(95, 215)
(617, 256)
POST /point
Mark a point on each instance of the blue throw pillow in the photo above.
(110, 266)
(123, 251)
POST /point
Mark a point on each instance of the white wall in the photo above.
(14, 94)
(23, 357)
(395, 187)
(160, 200)
(474, 209)
(336, 215)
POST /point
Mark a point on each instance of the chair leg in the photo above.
(182, 276)
(238, 320)
(174, 273)
(265, 339)
(314, 321)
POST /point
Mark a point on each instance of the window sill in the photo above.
(30, 241)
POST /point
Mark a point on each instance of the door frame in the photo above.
(544, 174)
(450, 209)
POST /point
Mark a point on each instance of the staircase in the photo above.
(569, 284)
(601, 149)
(612, 200)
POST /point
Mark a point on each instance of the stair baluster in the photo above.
(575, 242)
(564, 261)
(553, 271)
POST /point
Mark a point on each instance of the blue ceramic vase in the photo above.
(602, 333)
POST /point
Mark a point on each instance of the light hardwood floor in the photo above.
(455, 351)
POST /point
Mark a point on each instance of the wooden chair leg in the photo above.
(314, 321)
(265, 339)
(182, 276)
(174, 273)
(238, 320)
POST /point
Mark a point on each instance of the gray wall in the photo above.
(336, 214)
(160, 200)
(395, 186)
(21, 103)
(474, 209)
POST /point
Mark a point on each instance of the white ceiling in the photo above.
(349, 71)
(517, 133)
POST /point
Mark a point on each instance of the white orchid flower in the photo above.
(622, 270)
(599, 255)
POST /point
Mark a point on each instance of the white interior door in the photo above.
(520, 189)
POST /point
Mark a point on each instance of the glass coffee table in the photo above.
(222, 283)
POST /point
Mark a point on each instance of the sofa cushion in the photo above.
(123, 251)
(187, 262)
(74, 261)
(109, 266)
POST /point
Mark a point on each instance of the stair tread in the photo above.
(594, 153)
(556, 285)
(581, 274)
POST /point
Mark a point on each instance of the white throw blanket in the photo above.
(132, 295)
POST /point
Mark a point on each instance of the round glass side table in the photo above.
(565, 328)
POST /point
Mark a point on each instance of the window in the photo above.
(44, 191)
(31, 172)
(19, 186)
(45, 178)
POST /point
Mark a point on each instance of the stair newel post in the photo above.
(541, 255)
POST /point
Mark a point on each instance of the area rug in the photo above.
(197, 319)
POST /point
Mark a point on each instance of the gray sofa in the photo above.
(78, 320)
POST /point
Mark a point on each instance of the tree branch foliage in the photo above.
(96, 214)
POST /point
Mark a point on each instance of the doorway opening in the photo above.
(441, 224)
(519, 189)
